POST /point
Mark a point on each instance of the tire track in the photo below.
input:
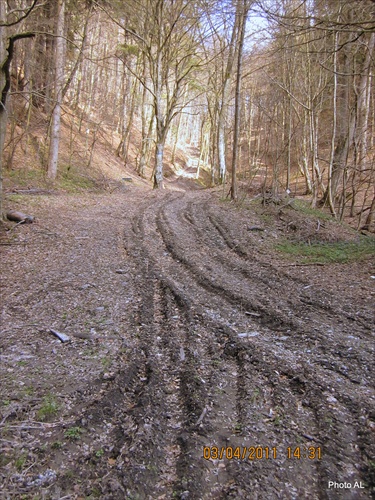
(222, 351)
(280, 380)
(298, 308)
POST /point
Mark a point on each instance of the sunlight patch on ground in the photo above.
(191, 165)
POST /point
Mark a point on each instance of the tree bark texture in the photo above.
(59, 86)
(6, 54)
(223, 107)
(3, 116)
(244, 6)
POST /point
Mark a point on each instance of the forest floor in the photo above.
(202, 362)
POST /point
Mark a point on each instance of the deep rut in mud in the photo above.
(286, 385)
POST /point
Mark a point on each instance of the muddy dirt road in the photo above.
(211, 367)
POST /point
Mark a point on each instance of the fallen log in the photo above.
(20, 217)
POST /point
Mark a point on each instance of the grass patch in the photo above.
(28, 391)
(24, 177)
(73, 433)
(305, 208)
(71, 180)
(49, 408)
(20, 461)
(56, 445)
(323, 253)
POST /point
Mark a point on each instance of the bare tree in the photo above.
(243, 8)
(224, 99)
(7, 41)
(169, 45)
(59, 87)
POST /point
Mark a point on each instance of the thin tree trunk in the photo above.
(79, 59)
(305, 167)
(146, 140)
(363, 105)
(175, 142)
(3, 114)
(370, 216)
(237, 112)
(223, 107)
(59, 76)
(159, 154)
(334, 126)
(130, 122)
(363, 95)
(160, 125)
(6, 53)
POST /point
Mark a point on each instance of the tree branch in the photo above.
(5, 66)
(27, 13)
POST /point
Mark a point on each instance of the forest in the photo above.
(187, 249)
(280, 91)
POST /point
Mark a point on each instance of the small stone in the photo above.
(61, 336)
(248, 334)
(331, 399)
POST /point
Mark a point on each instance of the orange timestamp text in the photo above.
(261, 453)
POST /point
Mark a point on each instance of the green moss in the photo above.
(305, 208)
(69, 179)
(23, 177)
(339, 252)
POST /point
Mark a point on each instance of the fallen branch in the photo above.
(12, 243)
(20, 217)
(303, 265)
(199, 421)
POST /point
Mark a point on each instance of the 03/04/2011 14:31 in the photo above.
(261, 453)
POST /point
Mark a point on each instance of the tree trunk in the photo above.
(59, 77)
(161, 128)
(363, 102)
(147, 121)
(237, 113)
(173, 157)
(334, 126)
(3, 115)
(78, 62)
(6, 53)
(304, 159)
(370, 216)
(146, 140)
(224, 102)
(159, 154)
